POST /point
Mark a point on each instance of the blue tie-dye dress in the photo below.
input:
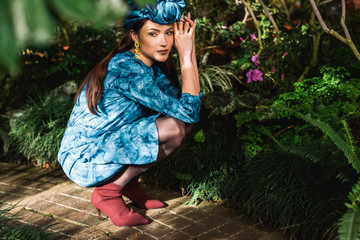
(96, 147)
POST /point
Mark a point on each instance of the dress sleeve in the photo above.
(138, 84)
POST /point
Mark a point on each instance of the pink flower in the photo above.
(249, 76)
(253, 36)
(254, 59)
(254, 75)
(257, 75)
(282, 76)
(242, 39)
(285, 54)
(273, 69)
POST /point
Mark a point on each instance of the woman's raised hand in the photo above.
(184, 35)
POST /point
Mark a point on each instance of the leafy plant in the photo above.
(216, 78)
(39, 128)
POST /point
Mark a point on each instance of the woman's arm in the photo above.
(193, 57)
(184, 43)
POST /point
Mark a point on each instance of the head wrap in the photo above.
(163, 12)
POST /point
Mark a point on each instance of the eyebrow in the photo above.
(157, 30)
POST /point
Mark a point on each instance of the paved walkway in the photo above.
(45, 197)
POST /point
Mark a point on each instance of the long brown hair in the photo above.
(97, 74)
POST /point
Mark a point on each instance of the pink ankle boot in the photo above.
(133, 191)
(108, 199)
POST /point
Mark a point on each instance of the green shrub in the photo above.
(37, 130)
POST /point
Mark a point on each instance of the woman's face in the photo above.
(155, 41)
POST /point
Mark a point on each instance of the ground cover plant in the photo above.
(280, 121)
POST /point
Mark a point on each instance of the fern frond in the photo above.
(349, 226)
(304, 152)
(349, 137)
(337, 140)
(354, 195)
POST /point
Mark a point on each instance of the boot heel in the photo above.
(99, 213)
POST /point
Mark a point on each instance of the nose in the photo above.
(163, 41)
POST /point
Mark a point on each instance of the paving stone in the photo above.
(45, 221)
(177, 236)
(125, 232)
(244, 220)
(159, 231)
(60, 211)
(196, 229)
(107, 226)
(90, 220)
(50, 191)
(175, 201)
(275, 236)
(182, 209)
(213, 235)
(213, 221)
(164, 216)
(195, 214)
(104, 238)
(142, 237)
(231, 228)
(32, 217)
(38, 204)
(179, 222)
(66, 228)
(247, 235)
(152, 212)
(149, 226)
(89, 233)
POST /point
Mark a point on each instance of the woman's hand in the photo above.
(184, 35)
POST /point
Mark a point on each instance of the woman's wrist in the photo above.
(186, 61)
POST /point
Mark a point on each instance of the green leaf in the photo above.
(200, 136)
(183, 176)
(349, 226)
(338, 141)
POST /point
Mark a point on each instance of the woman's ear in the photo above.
(134, 36)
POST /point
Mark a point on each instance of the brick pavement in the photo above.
(45, 197)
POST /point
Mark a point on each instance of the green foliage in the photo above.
(215, 78)
(22, 22)
(291, 192)
(325, 98)
(38, 129)
(349, 227)
(348, 150)
(224, 103)
(354, 197)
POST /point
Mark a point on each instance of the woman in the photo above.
(129, 114)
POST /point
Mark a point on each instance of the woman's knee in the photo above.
(171, 130)
(179, 133)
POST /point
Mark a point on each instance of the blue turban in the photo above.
(163, 12)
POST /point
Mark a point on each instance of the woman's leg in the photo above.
(108, 198)
(171, 134)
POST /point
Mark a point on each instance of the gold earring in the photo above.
(137, 54)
